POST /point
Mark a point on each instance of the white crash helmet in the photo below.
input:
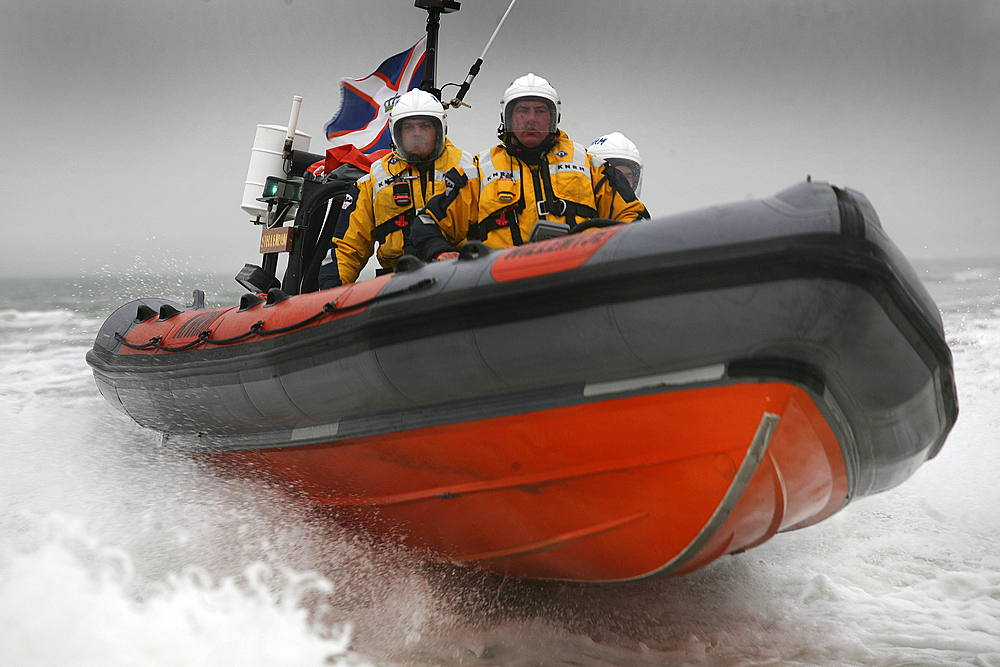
(616, 149)
(417, 103)
(534, 87)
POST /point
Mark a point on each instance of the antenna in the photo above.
(474, 70)
(434, 10)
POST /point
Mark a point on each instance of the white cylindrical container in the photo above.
(265, 160)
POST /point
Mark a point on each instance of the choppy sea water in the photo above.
(115, 552)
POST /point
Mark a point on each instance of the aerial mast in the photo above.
(434, 10)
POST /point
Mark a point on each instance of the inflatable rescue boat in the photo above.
(627, 402)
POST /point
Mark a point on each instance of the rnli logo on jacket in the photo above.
(567, 166)
(562, 154)
(499, 174)
(449, 185)
(348, 200)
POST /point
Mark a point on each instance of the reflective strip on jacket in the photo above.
(372, 214)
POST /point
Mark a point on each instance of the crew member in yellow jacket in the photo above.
(618, 151)
(535, 175)
(382, 205)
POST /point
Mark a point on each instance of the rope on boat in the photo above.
(257, 328)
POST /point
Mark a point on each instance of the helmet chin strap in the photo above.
(529, 155)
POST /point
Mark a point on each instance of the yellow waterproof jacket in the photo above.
(569, 186)
(381, 206)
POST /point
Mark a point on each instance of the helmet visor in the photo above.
(530, 119)
(418, 138)
(630, 169)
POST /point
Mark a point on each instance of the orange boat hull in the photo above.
(607, 491)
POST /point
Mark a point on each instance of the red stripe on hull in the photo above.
(607, 491)
(553, 256)
(225, 323)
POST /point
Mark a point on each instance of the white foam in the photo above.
(72, 601)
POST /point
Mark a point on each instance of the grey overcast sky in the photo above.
(127, 126)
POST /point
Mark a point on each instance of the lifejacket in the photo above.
(564, 186)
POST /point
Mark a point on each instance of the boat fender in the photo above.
(248, 301)
(167, 311)
(276, 295)
(473, 250)
(143, 313)
(409, 263)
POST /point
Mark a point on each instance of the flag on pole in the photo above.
(363, 120)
